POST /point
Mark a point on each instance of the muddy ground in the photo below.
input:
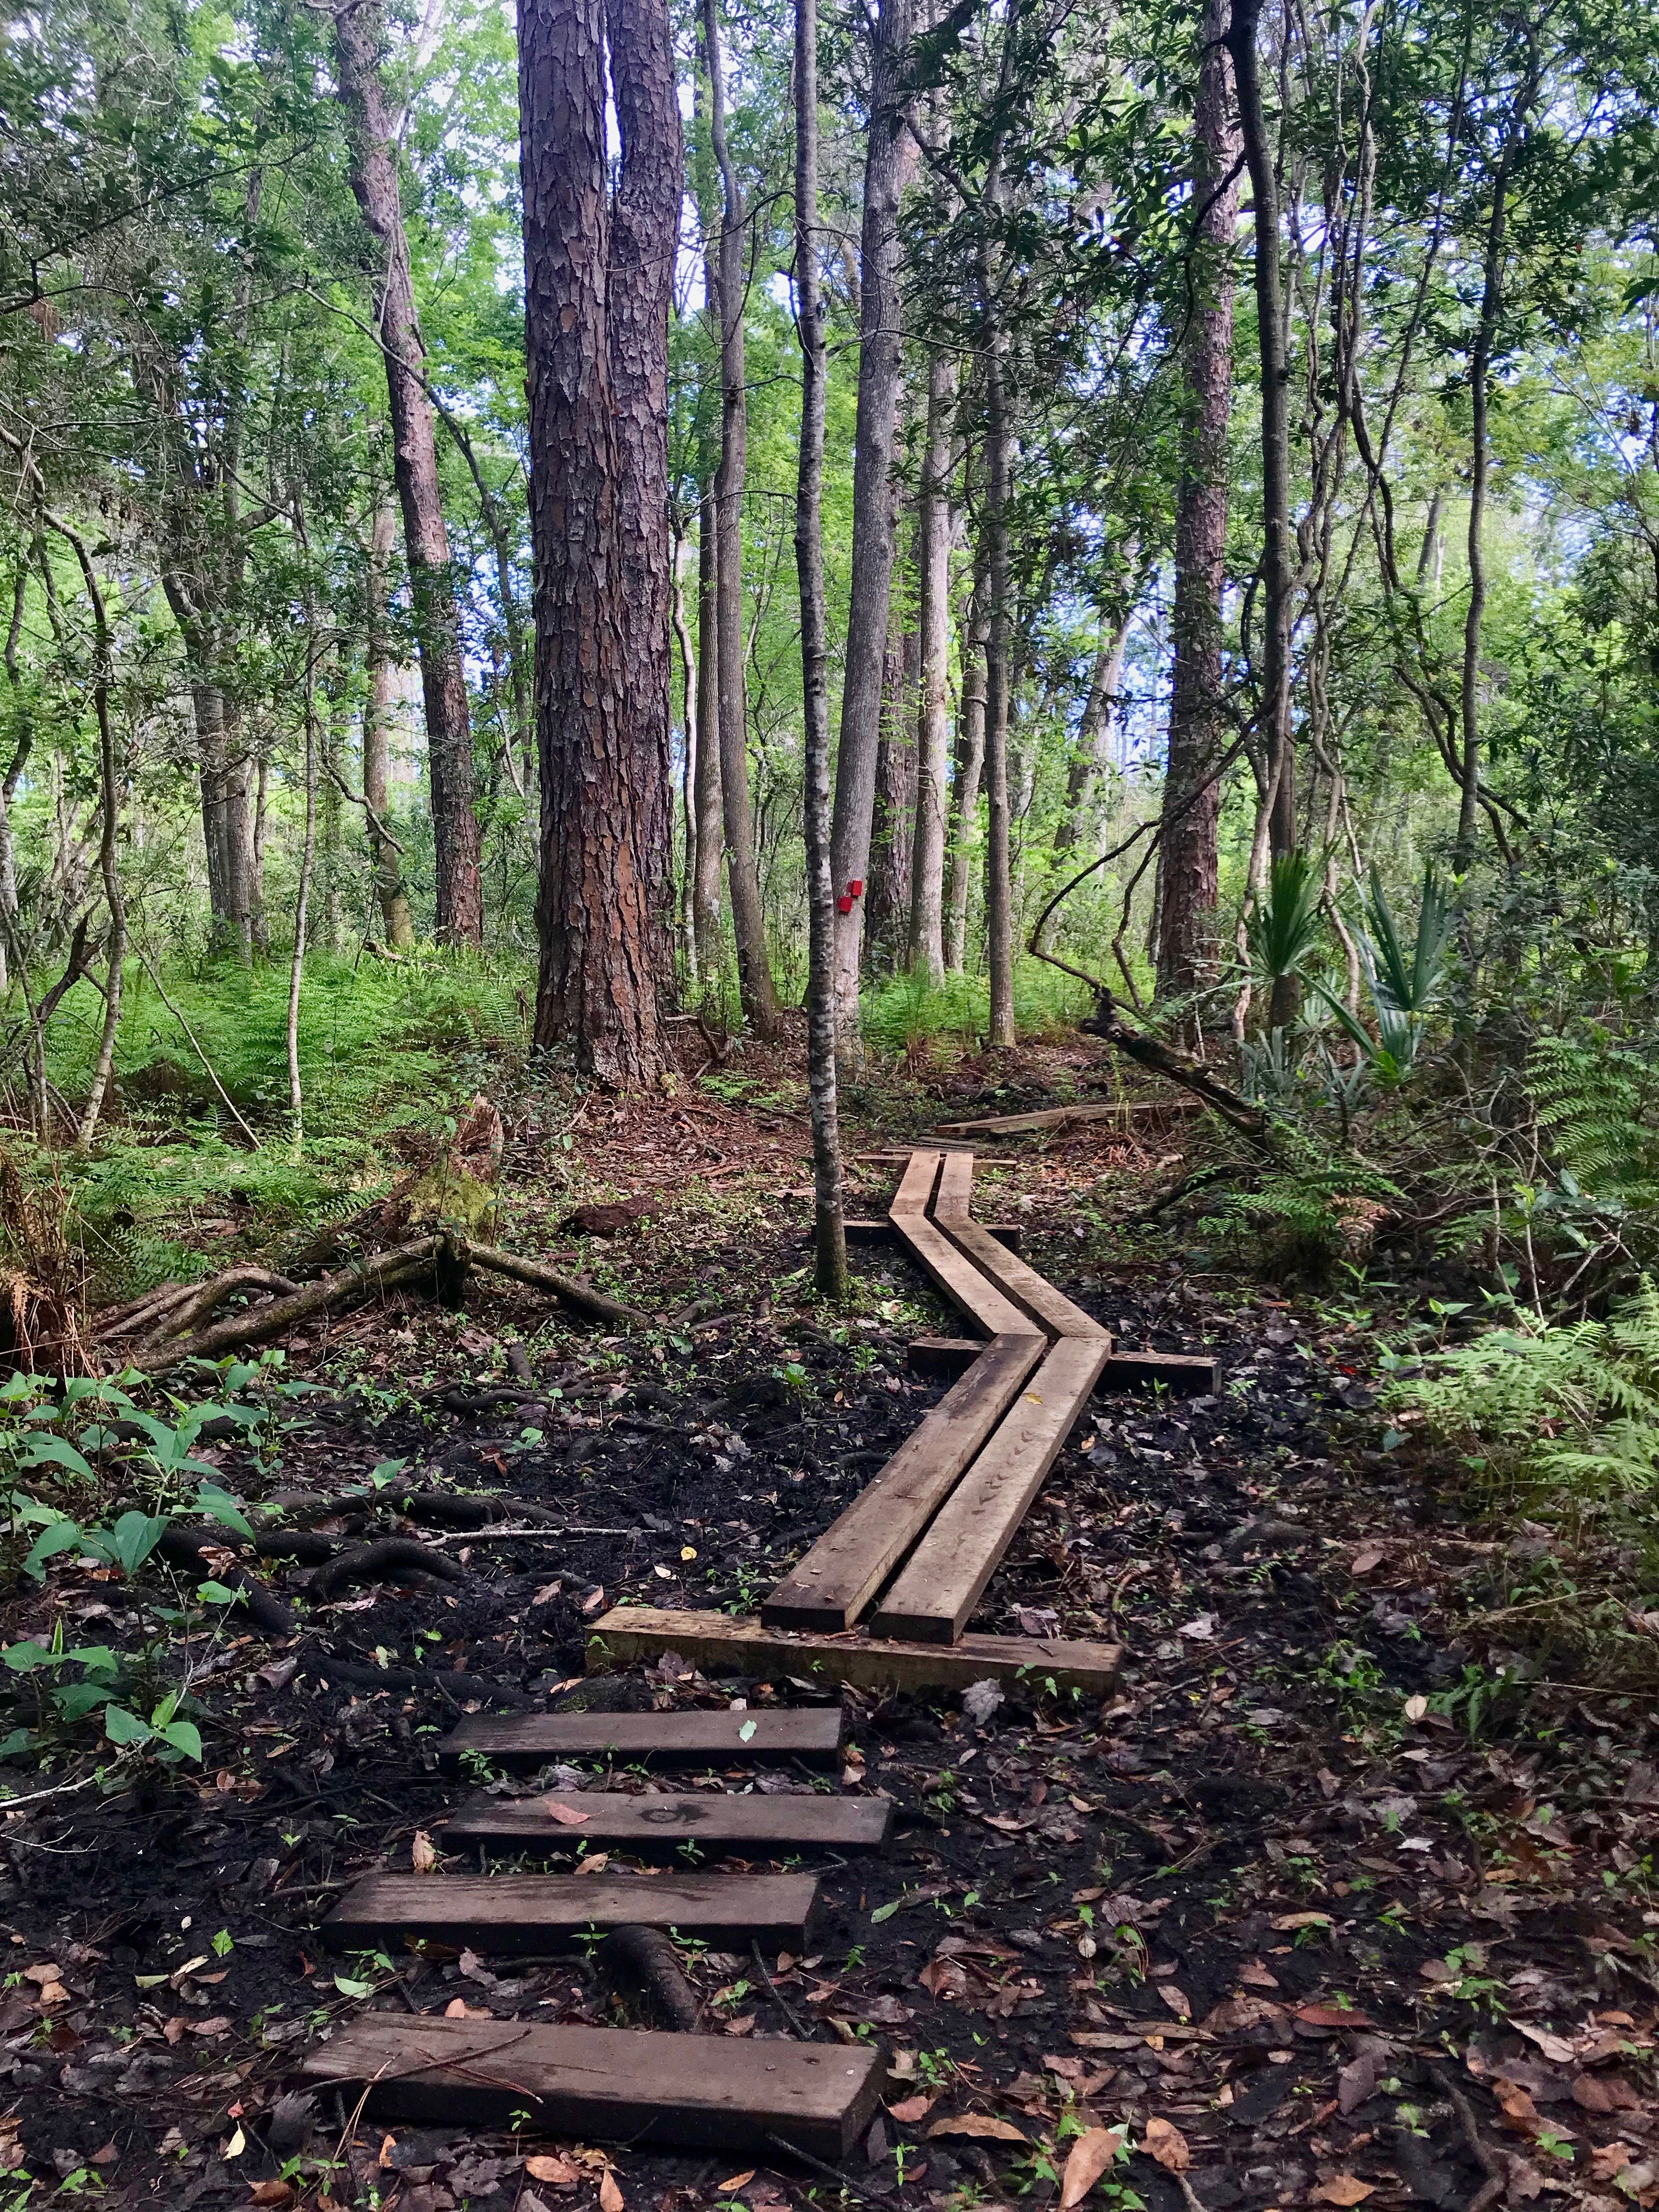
(1304, 1938)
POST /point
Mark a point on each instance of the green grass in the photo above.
(906, 1013)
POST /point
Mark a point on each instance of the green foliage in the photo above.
(1302, 1219)
(906, 1015)
(1404, 984)
(1598, 1100)
(1568, 1414)
(1284, 926)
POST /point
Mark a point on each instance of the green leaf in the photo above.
(133, 1538)
(218, 1594)
(220, 1506)
(348, 1987)
(19, 1741)
(24, 1658)
(54, 1451)
(74, 1700)
(122, 1727)
(186, 1737)
(61, 1536)
(387, 1471)
(887, 1911)
(746, 1731)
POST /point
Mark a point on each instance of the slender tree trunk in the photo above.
(1092, 753)
(880, 337)
(755, 987)
(359, 31)
(109, 856)
(999, 877)
(688, 722)
(645, 218)
(1479, 465)
(892, 834)
(1187, 947)
(934, 708)
(597, 921)
(1274, 727)
(830, 1208)
(377, 727)
(969, 768)
(707, 796)
(297, 1098)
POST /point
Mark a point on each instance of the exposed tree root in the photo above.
(182, 1548)
(390, 1555)
(641, 1963)
(288, 1312)
(565, 1288)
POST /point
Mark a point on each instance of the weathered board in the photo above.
(536, 1914)
(713, 1823)
(721, 1644)
(615, 2084)
(959, 1280)
(1033, 1293)
(841, 1573)
(882, 1231)
(527, 1740)
(1183, 1374)
(942, 1582)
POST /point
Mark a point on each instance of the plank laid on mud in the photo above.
(941, 1584)
(1059, 1117)
(959, 1280)
(534, 1914)
(843, 1570)
(659, 1739)
(713, 1824)
(1183, 1374)
(1049, 1308)
(882, 1231)
(720, 1644)
(615, 2083)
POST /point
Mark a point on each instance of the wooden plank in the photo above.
(941, 1584)
(1183, 1374)
(611, 2083)
(520, 1740)
(843, 1570)
(716, 1824)
(536, 1914)
(961, 1282)
(721, 1644)
(1049, 1308)
(859, 1231)
(1059, 1117)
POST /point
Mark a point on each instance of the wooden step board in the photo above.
(848, 1565)
(721, 1644)
(1048, 1308)
(1182, 1374)
(712, 1824)
(536, 1914)
(945, 1574)
(613, 2083)
(1123, 1111)
(988, 1307)
(521, 1741)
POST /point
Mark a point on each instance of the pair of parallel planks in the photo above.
(918, 1545)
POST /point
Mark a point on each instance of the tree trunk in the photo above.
(754, 988)
(829, 1206)
(432, 584)
(1187, 956)
(1274, 725)
(880, 335)
(377, 726)
(688, 723)
(926, 947)
(296, 1097)
(1479, 464)
(1092, 752)
(645, 218)
(999, 877)
(887, 894)
(598, 985)
(969, 768)
(708, 798)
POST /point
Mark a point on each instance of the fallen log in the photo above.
(367, 1563)
(1147, 1051)
(285, 1312)
(565, 1288)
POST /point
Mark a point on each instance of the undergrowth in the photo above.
(908, 1017)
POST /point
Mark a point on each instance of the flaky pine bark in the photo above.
(887, 893)
(1187, 947)
(926, 947)
(829, 1204)
(645, 216)
(755, 986)
(970, 770)
(377, 728)
(598, 985)
(880, 368)
(359, 31)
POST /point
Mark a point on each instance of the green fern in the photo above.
(1598, 1101)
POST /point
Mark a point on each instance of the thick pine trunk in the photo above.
(645, 217)
(880, 333)
(597, 987)
(1187, 947)
(374, 181)
(755, 987)
(829, 1193)
(926, 947)
(395, 917)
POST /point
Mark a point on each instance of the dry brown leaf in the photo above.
(610, 2196)
(1255, 1975)
(1609, 2159)
(54, 1994)
(1365, 1559)
(272, 2192)
(558, 2172)
(1089, 2158)
(912, 2111)
(422, 1856)
(746, 2025)
(1287, 1921)
(1599, 2093)
(46, 1971)
(1178, 2000)
(566, 1815)
(1165, 2142)
(738, 2181)
(1554, 2047)
(595, 1862)
(976, 2124)
(458, 2008)
(1343, 2188)
(1318, 2016)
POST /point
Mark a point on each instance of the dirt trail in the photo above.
(1304, 1939)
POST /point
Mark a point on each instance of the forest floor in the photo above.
(1308, 1939)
